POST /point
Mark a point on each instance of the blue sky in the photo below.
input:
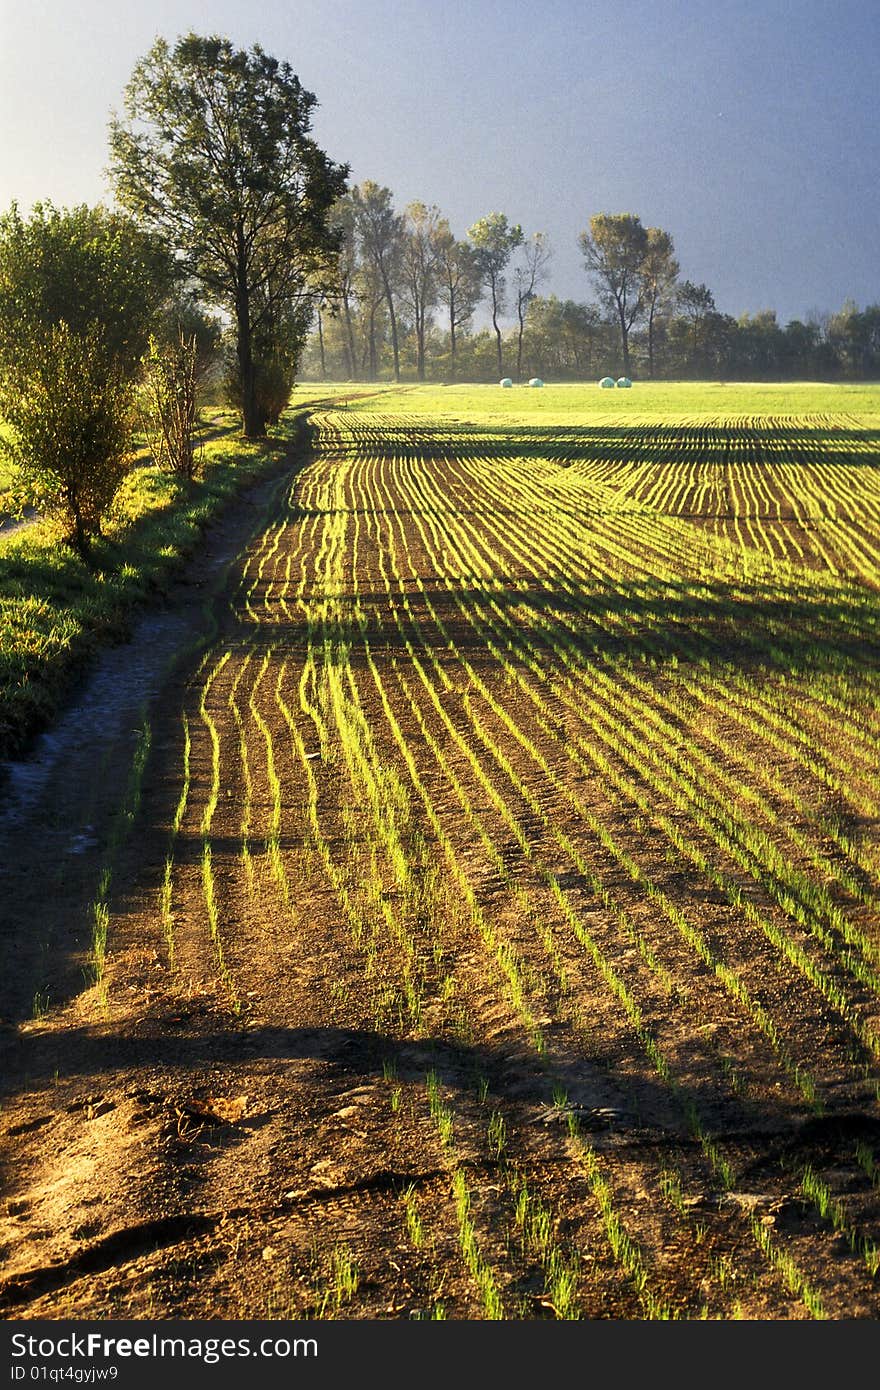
(750, 131)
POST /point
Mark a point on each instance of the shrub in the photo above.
(170, 403)
(71, 415)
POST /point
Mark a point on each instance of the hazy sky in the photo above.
(749, 129)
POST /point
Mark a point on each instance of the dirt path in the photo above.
(404, 1010)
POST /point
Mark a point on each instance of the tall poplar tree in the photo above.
(614, 250)
(494, 240)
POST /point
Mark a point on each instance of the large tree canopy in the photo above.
(215, 154)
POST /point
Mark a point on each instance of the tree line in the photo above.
(408, 290)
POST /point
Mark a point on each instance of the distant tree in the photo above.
(659, 273)
(854, 338)
(614, 251)
(583, 330)
(342, 292)
(80, 291)
(459, 284)
(494, 241)
(380, 231)
(563, 337)
(420, 269)
(215, 155)
(531, 272)
(371, 298)
(868, 340)
(696, 305)
(759, 346)
(701, 341)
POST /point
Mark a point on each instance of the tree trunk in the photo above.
(252, 425)
(624, 342)
(372, 341)
(389, 298)
(651, 343)
(79, 539)
(321, 346)
(352, 354)
(452, 334)
(420, 343)
(497, 334)
(519, 345)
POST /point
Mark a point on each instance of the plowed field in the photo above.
(484, 924)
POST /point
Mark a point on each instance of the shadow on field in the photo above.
(753, 627)
(651, 443)
(597, 1096)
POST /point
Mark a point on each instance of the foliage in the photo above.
(380, 234)
(614, 250)
(78, 292)
(70, 409)
(84, 266)
(494, 241)
(170, 395)
(216, 156)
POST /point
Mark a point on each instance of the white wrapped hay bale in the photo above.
(624, 382)
(607, 383)
(505, 381)
(536, 381)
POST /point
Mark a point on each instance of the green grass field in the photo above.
(585, 402)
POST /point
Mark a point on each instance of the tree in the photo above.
(420, 269)
(459, 285)
(79, 292)
(71, 411)
(530, 273)
(371, 297)
(614, 250)
(215, 155)
(380, 232)
(702, 341)
(696, 304)
(170, 403)
(85, 266)
(659, 271)
(494, 241)
(343, 220)
(182, 355)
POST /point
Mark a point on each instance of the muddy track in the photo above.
(465, 955)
